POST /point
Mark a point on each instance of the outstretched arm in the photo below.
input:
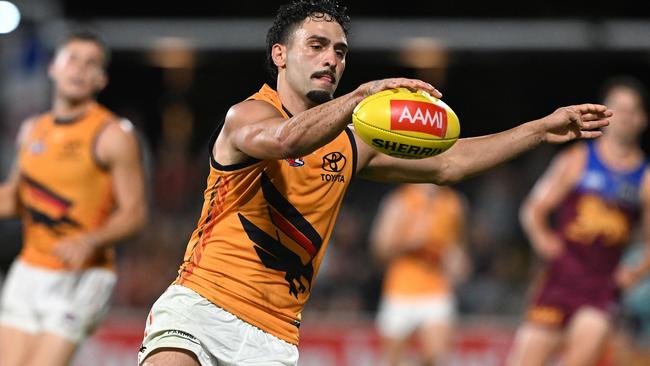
(471, 156)
(256, 129)
(118, 148)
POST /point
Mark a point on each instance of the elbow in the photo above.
(289, 149)
(527, 214)
(381, 252)
(138, 217)
(142, 217)
(290, 144)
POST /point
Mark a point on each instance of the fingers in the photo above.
(589, 116)
(69, 254)
(590, 134)
(594, 124)
(590, 111)
(413, 85)
(590, 108)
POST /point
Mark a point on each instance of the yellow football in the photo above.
(406, 124)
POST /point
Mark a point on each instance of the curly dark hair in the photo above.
(292, 14)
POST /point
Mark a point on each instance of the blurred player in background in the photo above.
(77, 184)
(633, 336)
(419, 233)
(596, 191)
(279, 168)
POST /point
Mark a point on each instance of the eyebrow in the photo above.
(325, 40)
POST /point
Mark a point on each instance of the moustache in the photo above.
(318, 74)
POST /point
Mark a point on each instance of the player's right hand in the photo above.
(576, 121)
(376, 86)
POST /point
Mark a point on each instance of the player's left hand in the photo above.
(626, 277)
(576, 121)
(76, 252)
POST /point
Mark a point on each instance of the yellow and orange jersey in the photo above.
(263, 231)
(63, 190)
(420, 273)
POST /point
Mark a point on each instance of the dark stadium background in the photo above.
(490, 88)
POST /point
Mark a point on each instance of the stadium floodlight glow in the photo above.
(9, 17)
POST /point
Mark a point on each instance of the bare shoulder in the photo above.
(249, 112)
(119, 130)
(573, 158)
(117, 139)
(25, 128)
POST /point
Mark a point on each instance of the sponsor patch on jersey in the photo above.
(37, 147)
(298, 162)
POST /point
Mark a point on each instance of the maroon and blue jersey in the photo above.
(595, 222)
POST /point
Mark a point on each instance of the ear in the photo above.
(279, 55)
(50, 70)
(101, 82)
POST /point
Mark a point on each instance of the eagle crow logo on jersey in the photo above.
(272, 251)
(47, 207)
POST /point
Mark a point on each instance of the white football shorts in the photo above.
(69, 304)
(183, 319)
(398, 318)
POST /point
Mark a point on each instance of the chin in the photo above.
(77, 96)
(319, 96)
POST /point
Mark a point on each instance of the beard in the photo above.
(319, 96)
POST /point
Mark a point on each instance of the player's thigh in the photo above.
(78, 305)
(171, 357)
(534, 345)
(435, 337)
(15, 345)
(393, 350)
(438, 316)
(586, 336)
(52, 350)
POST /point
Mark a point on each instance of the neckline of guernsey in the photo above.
(286, 111)
(69, 120)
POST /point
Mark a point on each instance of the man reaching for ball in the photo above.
(269, 209)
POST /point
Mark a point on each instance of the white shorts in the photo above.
(68, 304)
(398, 318)
(183, 319)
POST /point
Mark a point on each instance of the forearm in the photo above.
(535, 225)
(121, 225)
(471, 156)
(313, 128)
(8, 202)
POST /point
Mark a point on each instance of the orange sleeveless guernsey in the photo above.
(420, 274)
(63, 190)
(264, 229)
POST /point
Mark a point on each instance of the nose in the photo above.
(329, 58)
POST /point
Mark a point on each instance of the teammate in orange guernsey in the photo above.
(269, 210)
(419, 233)
(596, 192)
(77, 184)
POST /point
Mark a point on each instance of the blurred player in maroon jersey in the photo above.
(596, 192)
